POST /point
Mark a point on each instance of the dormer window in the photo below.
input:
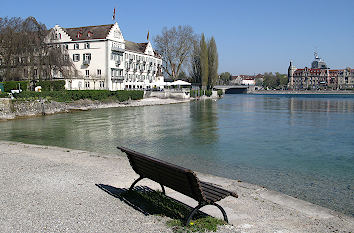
(89, 34)
(79, 34)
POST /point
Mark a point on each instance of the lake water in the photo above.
(301, 145)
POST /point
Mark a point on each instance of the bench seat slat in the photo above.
(211, 196)
(213, 192)
(206, 185)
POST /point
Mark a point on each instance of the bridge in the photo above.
(234, 89)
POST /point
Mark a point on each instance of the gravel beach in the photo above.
(51, 189)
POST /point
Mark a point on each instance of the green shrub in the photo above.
(57, 85)
(208, 93)
(4, 95)
(220, 93)
(13, 85)
(66, 96)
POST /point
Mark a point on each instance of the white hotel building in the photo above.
(105, 60)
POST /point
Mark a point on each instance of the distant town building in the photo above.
(105, 60)
(248, 80)
(320, 76)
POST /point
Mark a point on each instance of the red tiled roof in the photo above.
(96, 32)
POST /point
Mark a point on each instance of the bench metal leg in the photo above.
(200, 205)
(134, 183)
(163, 189)
(222, 211)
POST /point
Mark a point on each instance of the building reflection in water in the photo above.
(320, 105)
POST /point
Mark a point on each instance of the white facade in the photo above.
(105, 61)
(248, 82)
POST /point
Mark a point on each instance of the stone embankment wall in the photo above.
(6, 108)
(167, 94)
(10, 109)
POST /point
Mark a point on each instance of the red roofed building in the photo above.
(319, 76)
(105, 60)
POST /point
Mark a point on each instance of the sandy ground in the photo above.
(51, 189)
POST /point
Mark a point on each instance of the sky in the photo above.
(252, 36)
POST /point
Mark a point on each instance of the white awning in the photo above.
(179, 83)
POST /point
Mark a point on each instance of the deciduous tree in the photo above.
(195, 69)
(175, 45)
(25, 53)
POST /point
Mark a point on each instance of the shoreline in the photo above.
(302, 92)
(28, 109)
(59, 183)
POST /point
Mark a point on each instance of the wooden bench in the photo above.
(177, 178)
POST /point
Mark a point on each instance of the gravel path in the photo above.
(50, 189)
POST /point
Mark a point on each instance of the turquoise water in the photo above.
(301, 145)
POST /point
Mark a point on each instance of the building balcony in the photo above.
(116, 49)
(117, 78)
(86, 62)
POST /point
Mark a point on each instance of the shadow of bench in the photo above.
(151, 202)
(177, 178)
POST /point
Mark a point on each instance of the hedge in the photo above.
(195, 93)
(13, 85)
(58, 85)
(66, 96)
(208, 93)
(4, 95)
(220, 93)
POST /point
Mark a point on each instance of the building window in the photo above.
(87, 84)
(87, 46)
(76, 57)
(99, 73)
(76, 46)
(101, 84)
(86, 56)
(79, 34)
(87, 72)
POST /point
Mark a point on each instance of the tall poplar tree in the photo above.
(204, 62)
(195, 71)
(213, 63)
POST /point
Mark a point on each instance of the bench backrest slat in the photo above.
(178, 178)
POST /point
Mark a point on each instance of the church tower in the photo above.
(291, 71)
